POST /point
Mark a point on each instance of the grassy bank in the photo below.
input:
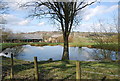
(81, 44)
(9, 45)
(44, 44)
(61, 70)
(113, 47)
(110, 46)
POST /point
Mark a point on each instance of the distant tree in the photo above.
(66, 14)
(106, 32)
(6, 33)
(3, 10)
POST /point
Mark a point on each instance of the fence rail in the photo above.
(37, 73)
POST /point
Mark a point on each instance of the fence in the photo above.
(78, 69)
(37, 71)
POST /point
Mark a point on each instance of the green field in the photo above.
(9, 45)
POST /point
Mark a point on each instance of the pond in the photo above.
(27, 52)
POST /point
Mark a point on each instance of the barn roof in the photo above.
(25, 36)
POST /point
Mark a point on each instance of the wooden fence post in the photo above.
(78, 71)
(36, 69)
(12, 74)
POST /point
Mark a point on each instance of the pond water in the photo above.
(27, 52)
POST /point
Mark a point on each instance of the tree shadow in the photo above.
(66, 78)
(47, 72)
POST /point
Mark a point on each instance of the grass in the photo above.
(9, 45)
(81, 44)
(111, 46)
(61, 70)
(44, 44)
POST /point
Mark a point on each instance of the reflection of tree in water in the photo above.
(102, 54)
(79, 50)
(99, 54)
(86, 52)
(18, 49)
(118, 55)
(15, 50)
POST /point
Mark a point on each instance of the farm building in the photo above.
(25, 38)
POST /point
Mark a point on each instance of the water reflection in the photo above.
(101, 54)
(27, 53)
(15, 51)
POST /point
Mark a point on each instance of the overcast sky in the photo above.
(17, 21)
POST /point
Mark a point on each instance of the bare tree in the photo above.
(3, 6)
(105, 32)
(6, 33)
(3, 9)
(64, 13)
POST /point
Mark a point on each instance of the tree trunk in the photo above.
(66, 48)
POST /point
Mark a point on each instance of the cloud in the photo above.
(11, 19)
(85, 27)
(98, 10)
(41, 23)
(15, 4)
(24, 22)
(112, 8)
(14, 20)
(41, 48)
(93, 12)
(109, 0)
(97, 27)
